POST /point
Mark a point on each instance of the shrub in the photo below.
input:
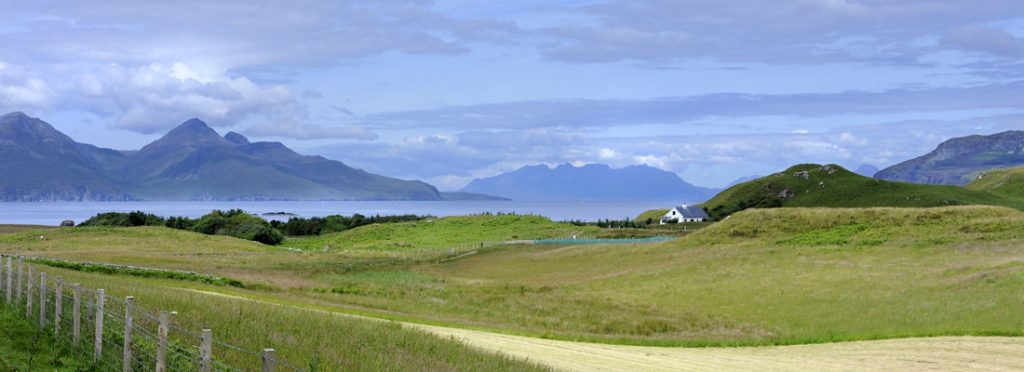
(120, 219)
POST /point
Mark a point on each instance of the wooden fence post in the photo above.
(98, 344)
(206, 351)
(28, 292)
(42, 300)
(129, 302)
(161, 342)
(269, 360)
(58, 304)
(17, 279)
(2, 272)
(10, 276)
(76, 314)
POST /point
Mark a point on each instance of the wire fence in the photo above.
(117, 333)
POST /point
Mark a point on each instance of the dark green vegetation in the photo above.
(1005, 182)
(956, 161)
(24, 348)
(112, 269)
(297, 226)
(192, 162)
(233, 222)
(590, 182)
(764, 276)
(812, 185)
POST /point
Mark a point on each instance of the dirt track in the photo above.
(938, 353)
(943, 353)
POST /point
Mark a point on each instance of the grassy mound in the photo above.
(1005, 182)
(654, 215)
(441, 233)
(812, 185)
(867, 226)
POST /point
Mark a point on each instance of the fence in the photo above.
(118, 333)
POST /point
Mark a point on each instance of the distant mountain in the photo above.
(594, 182)
(813, 185)
(955, 161)
(866, 170)
(191, 162)
(39, 163)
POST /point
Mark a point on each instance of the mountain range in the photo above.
(590, 182)
(191, 162)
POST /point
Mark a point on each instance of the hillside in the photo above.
(1005, 182)
(956, 160)
(592, 182)
(448, 232)
(191, 162)
(813, 185)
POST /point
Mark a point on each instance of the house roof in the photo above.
(691, 212)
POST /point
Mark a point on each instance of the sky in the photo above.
(451, 90)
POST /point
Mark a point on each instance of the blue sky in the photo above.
(447, 91)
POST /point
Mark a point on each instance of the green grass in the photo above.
(761, 277)
(833, 186)
(654, 215)
(23, 347)
(303, 334)
(440, 233)
(10, 229)
(1005, 182)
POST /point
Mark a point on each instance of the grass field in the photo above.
(761, 277)
(440, 233)
(10, 229)
(24, 348)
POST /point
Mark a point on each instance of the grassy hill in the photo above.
(654, 215)
(813, 185)
(445, 232)
(1004, 182)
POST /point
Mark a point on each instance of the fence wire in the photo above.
(184, 342)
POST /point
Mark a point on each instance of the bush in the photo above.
(120, 219)
(238, 224)
(297, 226)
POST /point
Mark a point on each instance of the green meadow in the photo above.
(760, 277)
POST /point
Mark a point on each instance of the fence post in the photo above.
(269, 360)
(58, 304)
(76, 314)
(42, 300)
(9, 277)
(98, 344)
(2, 272)
(18, 278)
(161, 342)
(206, 351)
(28, 292)
(129, 302)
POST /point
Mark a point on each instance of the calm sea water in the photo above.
(54, 213)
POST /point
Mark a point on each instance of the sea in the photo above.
(52, 213)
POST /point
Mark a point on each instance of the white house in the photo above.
(684, 213)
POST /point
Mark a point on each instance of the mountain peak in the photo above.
(193, 130)
(236, 138)
(21, 128)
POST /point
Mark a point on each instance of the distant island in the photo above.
(190, 163)
(592, 182)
